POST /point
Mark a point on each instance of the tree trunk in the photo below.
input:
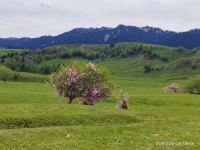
(70, 100)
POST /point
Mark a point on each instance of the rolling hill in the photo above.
(133, 59)
(33, 117)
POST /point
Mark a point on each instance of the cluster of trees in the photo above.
(8, 55)
(28, 61)
(148, 68)
(33, 61)
(125, 51)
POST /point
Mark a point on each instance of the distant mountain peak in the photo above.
(105, 35)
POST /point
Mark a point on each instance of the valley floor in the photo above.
(32, 118)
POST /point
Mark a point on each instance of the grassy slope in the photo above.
(134, 67)
(31, 77)
(135, 64)
(33, 118)
(179, 61)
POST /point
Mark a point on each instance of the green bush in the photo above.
(147, 68)
(6, 73)
(193, 86)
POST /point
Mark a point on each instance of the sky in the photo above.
(33, 18)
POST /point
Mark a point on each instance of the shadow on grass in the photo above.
(145, 101)
(105, 119)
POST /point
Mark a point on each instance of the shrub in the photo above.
(147, 68)
(180, 49)
(193, 86)
(194, 67)
(172, 88)
(87, 82)
(164, 58)
(6, 73)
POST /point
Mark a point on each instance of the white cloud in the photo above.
(43, 17)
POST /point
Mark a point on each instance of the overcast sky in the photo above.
(31, 18)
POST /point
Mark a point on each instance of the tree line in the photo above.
(33, 61)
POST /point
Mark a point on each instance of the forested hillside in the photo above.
(138, 58)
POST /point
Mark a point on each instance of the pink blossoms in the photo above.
(88, 83)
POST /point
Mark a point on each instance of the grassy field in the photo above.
(33, 118)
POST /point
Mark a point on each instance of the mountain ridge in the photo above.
(104, 35)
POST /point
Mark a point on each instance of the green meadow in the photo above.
(32, 117)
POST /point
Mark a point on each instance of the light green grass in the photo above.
(31, 77)
(33, 118)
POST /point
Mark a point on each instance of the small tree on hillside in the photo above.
(87, 82)
(6, 73)
(147, 68)
(193, 86)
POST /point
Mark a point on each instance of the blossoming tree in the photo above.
(84, 81)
